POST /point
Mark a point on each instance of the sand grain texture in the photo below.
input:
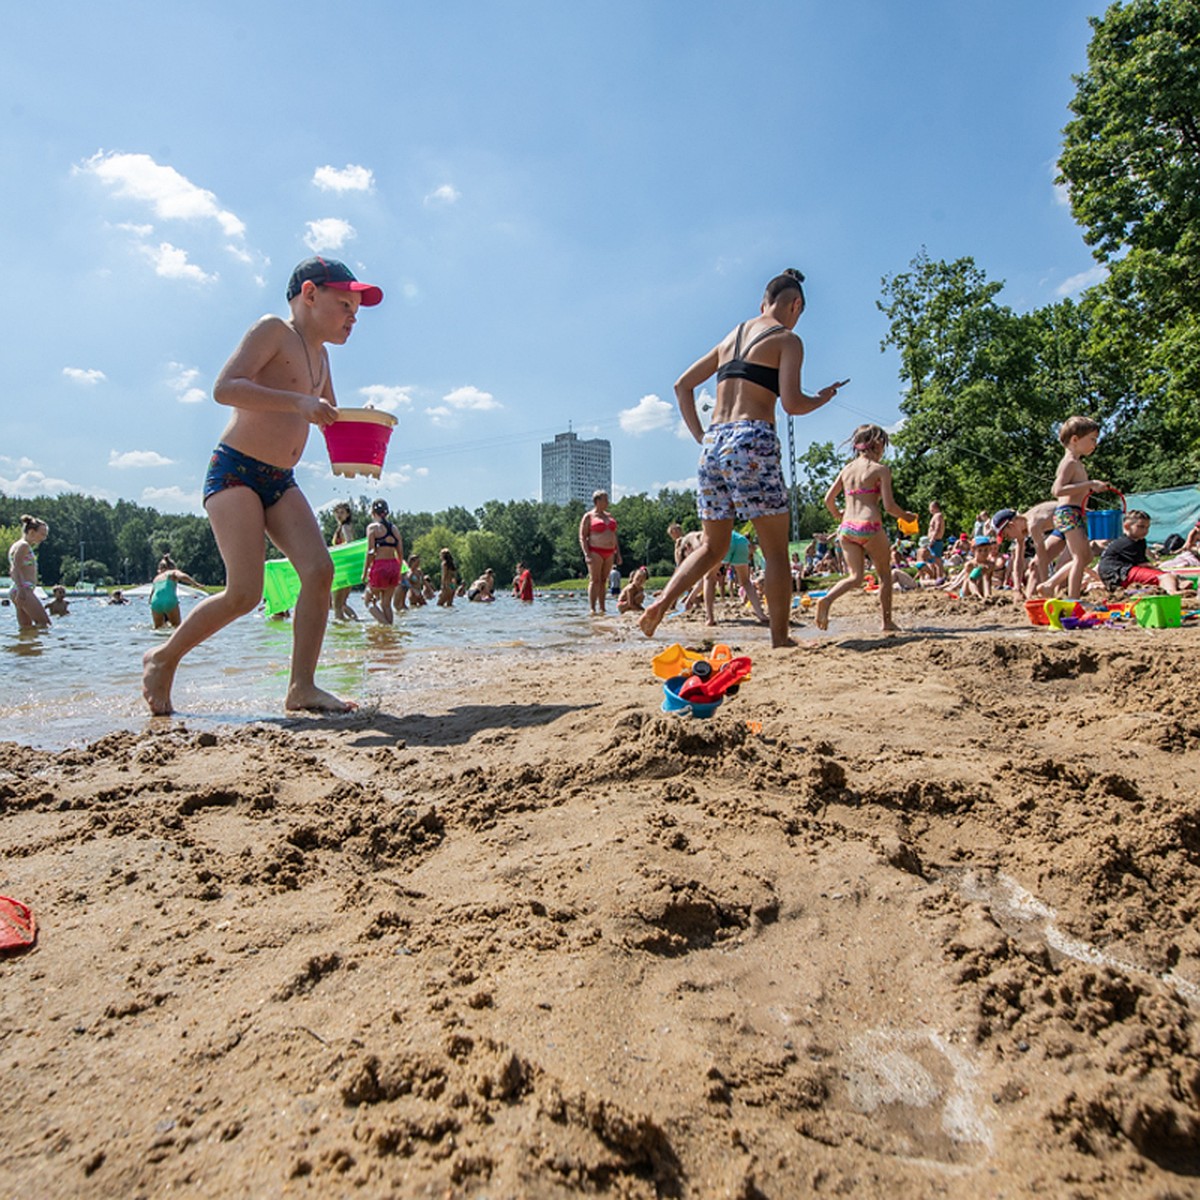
(911, 917)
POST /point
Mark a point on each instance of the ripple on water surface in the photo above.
(82, 677)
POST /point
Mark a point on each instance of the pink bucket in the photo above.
(358, 441)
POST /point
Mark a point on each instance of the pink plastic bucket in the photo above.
(358, 441)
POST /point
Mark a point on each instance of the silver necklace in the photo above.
(313, 383)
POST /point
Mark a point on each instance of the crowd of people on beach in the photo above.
(277, 384)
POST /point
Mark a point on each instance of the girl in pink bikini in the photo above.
(598, 541)
(867, 486)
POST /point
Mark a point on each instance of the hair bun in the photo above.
(798, 276)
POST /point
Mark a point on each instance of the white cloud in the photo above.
(349, 179)
(171, 195)
(172, 263)
(182, 381)
(650, 413)
(441, 415)
(674, 485)
(139, 231)
(29, 483)
(328, 233)
(446, 194)
(1085, 279)
(138, 458)
(172, 498)
(387, 398)
(471, 398)
(89, 377)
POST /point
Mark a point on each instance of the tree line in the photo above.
(108, 544)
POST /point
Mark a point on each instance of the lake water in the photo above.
(82, 677)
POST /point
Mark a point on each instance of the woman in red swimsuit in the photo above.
(598, 540)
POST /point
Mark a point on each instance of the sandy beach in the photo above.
(912, 916)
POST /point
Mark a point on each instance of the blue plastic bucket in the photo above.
(673, 702)
(1104, 524)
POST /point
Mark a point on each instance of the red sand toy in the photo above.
(705, 685)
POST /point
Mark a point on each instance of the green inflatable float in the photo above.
(281, 584)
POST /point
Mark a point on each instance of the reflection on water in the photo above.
(82, 677)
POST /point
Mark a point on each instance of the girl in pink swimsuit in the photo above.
(867, 487)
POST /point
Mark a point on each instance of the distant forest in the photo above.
(118, 544)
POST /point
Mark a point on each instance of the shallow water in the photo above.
(81, 678)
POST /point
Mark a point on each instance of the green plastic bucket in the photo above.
(1159, 612)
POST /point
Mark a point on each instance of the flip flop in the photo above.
(18, 929)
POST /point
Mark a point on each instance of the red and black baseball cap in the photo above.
(328, 272)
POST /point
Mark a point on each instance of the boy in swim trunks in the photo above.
(1072, 487)
(277, 383)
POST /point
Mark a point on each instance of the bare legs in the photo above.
(598, 568)
(880, 552)
(714, 543)
(777, 574)
(239, 523)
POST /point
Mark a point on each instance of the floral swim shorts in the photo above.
(1068, 517)
(231, 468)
(740, 475)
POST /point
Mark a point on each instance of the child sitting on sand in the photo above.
(1124, 562)
(867, 487)
(633, 594)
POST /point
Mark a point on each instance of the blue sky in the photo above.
(565, 204)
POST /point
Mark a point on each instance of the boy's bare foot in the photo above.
(156, 685)
(822, 614)
(314, 699)
(890, 627)
(650, 620)
(787, 642)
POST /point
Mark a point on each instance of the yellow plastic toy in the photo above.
(675, 660)
(1057, 609)
(908, 527)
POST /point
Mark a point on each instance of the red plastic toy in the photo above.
(699, 689)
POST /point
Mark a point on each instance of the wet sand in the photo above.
(911, 916)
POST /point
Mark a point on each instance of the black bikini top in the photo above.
(389, 538)
(738, 368)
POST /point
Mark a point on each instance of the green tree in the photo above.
(1131, 156)
(1131, 162)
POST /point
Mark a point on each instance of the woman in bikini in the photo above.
(385, 552)
(740, 475)
(867, 486)
(598, 541)
(22, 569)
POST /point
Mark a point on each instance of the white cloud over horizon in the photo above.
(386, 397)
(31, 483)
(472, 399)
(137, 458)
(182, 381)
(173, 499)
(328, 233)
(172, 263)
(350, 178)
(172, 196)
(1082, 281)
(89, 376)
(446, 194)
(650, 413)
